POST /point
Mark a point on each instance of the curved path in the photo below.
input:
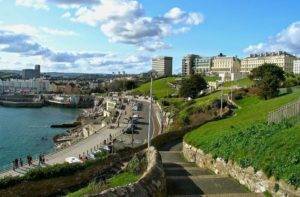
(186, 179)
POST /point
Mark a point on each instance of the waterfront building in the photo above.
(228, 68)
(31, 73)
(280, 58)
(296, 67)
(162, 65)
(23, 86)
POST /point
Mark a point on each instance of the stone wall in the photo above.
(255, 181)
(152, 182)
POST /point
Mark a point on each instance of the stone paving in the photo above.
(186, 179)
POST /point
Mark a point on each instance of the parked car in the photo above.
(73, 160)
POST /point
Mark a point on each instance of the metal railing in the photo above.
(287, 111)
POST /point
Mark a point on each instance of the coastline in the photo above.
(31, 130)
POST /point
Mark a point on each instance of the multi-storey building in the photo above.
(188, 64)
(228, 68)
(162, 65)
(202, 65)
(296, 67)
(31, 85)
(280, 58)
(31, 73)
(195, 64)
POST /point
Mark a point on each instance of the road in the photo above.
(96, 140)
(140, 135)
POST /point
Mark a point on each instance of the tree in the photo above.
(267, 78)
(190, 87)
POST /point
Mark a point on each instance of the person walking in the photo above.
(28, 160)
(21, 162)
(14, 165)
(17, 163)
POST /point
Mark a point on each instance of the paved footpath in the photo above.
(74, 150)
(186, 179)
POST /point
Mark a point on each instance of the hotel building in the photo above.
(280, 58)
(228, 68)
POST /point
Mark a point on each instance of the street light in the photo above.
(150, 112)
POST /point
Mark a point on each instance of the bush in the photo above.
(137, 164)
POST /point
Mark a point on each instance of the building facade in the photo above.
(30, 86)
(31, 73)
(296, 67)
(202, 65)
(228, 68)
(162, 65)
(280, 58)
(188, 64)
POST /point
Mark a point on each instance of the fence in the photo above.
(287, 111)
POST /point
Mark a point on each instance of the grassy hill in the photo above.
(245, 82)
(248, 140)
(161, 88)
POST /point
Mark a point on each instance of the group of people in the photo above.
(42, 159)
(18, 163)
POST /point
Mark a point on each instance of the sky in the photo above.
(105, 36)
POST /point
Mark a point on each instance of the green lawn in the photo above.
(118, 180)
(245, 82)
(161, 88)
(211, 78)
(263, 147)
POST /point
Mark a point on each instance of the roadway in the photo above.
(96, 140)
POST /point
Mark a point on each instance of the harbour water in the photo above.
(26, 131)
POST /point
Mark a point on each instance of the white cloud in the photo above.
(125, 21)
(176, 15)
(58, 32)
(66, 15)
(36, 31)
(36, 4)
(287, 40)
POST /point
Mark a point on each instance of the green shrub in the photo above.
(137, 164)
(8, 181)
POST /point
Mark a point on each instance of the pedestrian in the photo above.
(104, 142)
(17, 163)
(40, 159)
(14, 165)
(28, 160)
(110, 137)
(43, 158)
(21, 162)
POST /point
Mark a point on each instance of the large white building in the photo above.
(162, 65)
(280, 58)
(228, 68)
(296, 67)
(30, 85)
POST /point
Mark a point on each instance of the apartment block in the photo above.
(162, 65)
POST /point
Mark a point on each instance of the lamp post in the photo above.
(150, 114)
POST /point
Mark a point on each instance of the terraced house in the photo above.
(280, 58)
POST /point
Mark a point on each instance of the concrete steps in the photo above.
(185, 179)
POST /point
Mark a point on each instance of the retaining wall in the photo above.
(255, 181)
(152, 182)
